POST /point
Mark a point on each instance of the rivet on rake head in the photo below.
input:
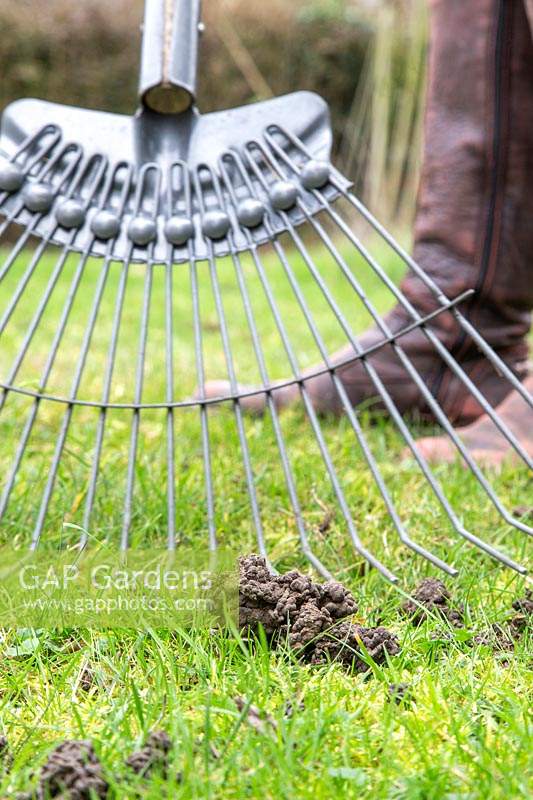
(105, 225)
(283, 195)
(142, 230)
(178, 230)
(11, 176)
(216, 224)
(38, 197)
(250, 212)
(314, 174)
(70, 214)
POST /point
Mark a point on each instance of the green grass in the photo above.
(467, 733)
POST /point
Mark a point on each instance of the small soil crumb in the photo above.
(524, 605)
(6, 758)
(524, 618)
(72, 772)
(343, 644)
(87, 679)
(293, 707)
(257, 719)
(326, 522)
(523, 511)
(497, 637)
(400, 693)
(433, 595)
(153, 756)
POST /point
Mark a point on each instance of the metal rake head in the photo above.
(129, 283)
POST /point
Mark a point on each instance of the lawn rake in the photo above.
(206, 215)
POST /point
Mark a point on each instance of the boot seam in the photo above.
(496, 172)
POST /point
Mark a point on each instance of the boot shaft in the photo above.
(475, 206)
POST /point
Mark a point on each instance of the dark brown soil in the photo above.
(503, 636)
(307, 615)
(6, 758)
(400, 693)
(87, 680)
(434, 598)
(498, 637)
(73, 772)
(153, 756)
(347, 643)
(290, 603)
(524, 618)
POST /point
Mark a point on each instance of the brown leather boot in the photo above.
(483, 439)
(474, 225)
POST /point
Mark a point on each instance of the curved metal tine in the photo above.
(82, 358)
(110, 366)
(32, 139)
(199, 362)
(52, 281)
(143, 192)
(37, 255)
(226, 345)
(428, 396)
(416, 377)
(32, 161)
(285, 462)
(37, 216)
(315, 424)
(441, 349)
(94, 184)
(169, 370)
(488, 351)
(404, 537)
(60, 262)
(185, 182)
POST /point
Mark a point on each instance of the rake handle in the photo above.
(169, 55)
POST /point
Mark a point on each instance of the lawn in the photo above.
(466, 732)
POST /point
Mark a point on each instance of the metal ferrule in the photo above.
(167, 82)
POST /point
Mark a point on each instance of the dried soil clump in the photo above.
(307, 615)
(433, 595)
(72, 772)
(153, 756)
(290, 603)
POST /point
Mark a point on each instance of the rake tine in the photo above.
(412, 371)
(356, 541)
(110, 363)
(169, 363)
(441, 349)
(50, 360)
(185, 182)
(400, 297)
(286, 466)
(250, 480)
(141, 354)
(29, 165)
(418, 380)
(357, 428)
(339, 184)
(36, 218)
(89, 331)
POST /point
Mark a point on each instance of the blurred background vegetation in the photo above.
(365, 57)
